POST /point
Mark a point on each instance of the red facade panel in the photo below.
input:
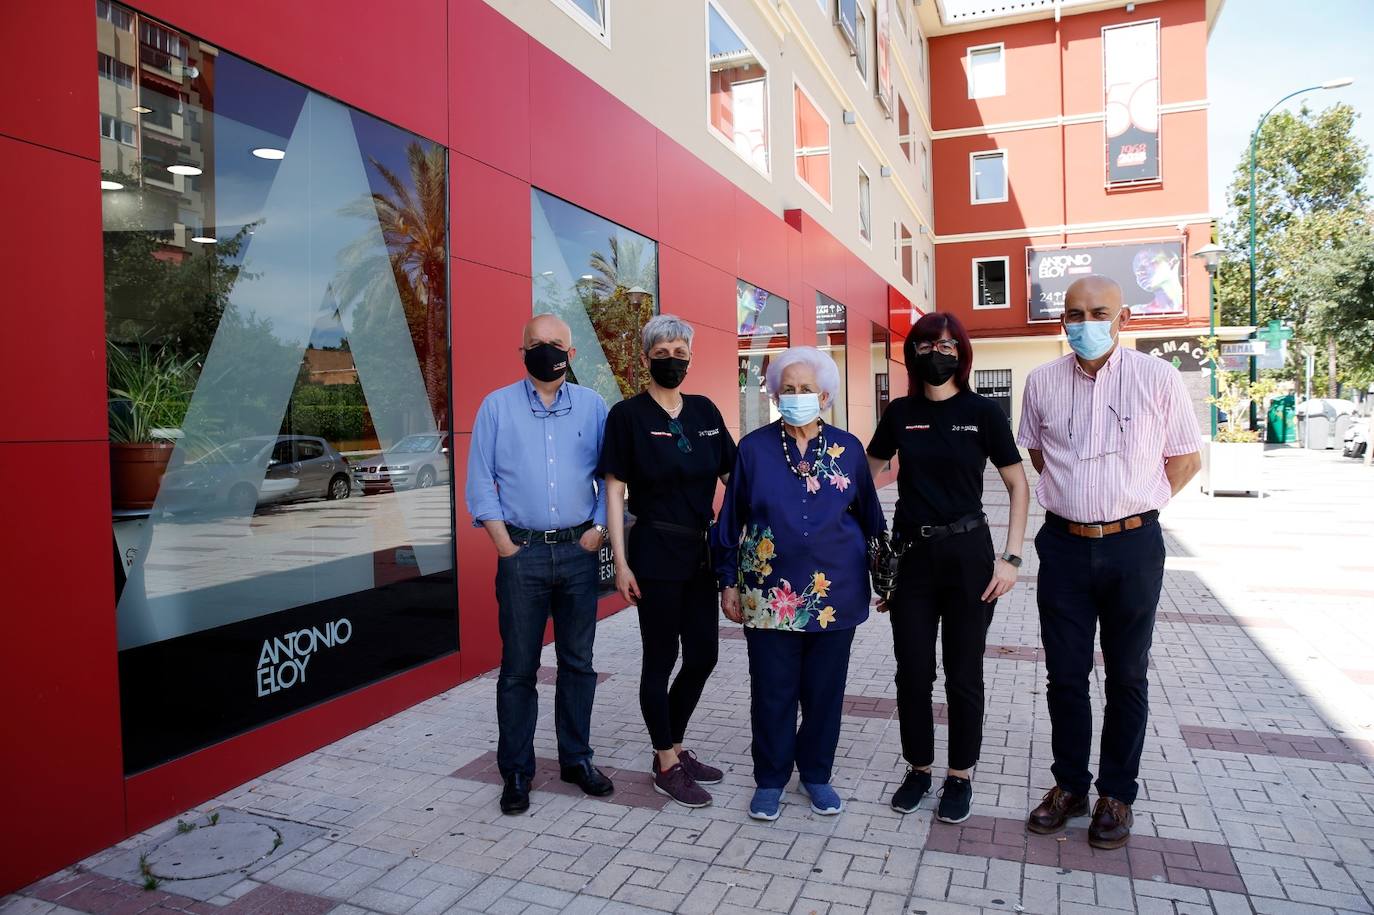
(1031, 57)
(696, 207)
(695, 291)
(1035, 176)
(489, 216)
(490, 309)
(489, 87)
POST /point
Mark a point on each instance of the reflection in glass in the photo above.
(812, 144)
(989, 177)
(602, 279)
(763, 333)
(880, 351)
(831, 339)
(738, 91)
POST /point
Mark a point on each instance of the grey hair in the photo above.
(665, 329)
(827, 373)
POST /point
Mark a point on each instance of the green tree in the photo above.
(1339, 292)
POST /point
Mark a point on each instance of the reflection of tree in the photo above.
(618, 313)
(413, 222)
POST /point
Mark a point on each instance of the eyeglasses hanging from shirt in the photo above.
(1081, 442)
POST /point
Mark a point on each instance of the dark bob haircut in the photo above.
(928, 329)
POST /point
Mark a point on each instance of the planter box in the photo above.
(1233, 467)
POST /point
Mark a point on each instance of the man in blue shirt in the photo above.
(532, 485)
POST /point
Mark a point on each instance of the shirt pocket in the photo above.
(1145, 437)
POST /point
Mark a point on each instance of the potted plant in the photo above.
(150, 389)
(1234, 459)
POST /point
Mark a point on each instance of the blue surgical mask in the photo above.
(1090, 339)
(799, 409)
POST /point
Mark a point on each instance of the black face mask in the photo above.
(936, 368)
(546, 362)
(668, 371)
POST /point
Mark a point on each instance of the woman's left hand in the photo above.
(1003, 580)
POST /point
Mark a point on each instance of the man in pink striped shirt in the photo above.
(1111, 432)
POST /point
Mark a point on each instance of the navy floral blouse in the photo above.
(796, 545)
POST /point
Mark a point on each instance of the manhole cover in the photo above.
(212, 850)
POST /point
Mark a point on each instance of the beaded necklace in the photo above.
(805, 468)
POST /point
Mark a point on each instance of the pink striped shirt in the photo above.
(1104, 439)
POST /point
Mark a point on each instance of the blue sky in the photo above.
(1261, 50)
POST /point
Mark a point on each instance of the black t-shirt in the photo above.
(666, 482)
(943, 446)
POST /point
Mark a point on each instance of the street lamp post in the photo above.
(1211, 256)
(1254, 142)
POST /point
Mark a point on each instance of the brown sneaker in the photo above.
(1111, 825)
(1056, 810)
(701, 773)
(679, 786)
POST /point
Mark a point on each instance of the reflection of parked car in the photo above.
(417, 461)
(1356, 438)
(259, 470)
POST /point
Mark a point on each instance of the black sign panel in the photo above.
(1130, 84)
(1187, 354)
(1150, 275)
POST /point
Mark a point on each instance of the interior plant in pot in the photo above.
(149, 391)
(1234, 459)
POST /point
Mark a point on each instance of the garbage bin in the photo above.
(1282, 426)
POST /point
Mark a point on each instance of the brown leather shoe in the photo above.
(1111, 825)
(1055, 810)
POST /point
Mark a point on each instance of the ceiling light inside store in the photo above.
(110, 185)
(142, 109)
(587, 276)
(268, 152)
(183, 170)
(204, 239)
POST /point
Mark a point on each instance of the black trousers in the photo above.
(1114, 581)
(673, 614)
(939, 587)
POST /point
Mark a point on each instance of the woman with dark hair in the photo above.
(948, 578)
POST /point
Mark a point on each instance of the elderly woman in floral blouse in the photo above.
(790, 550)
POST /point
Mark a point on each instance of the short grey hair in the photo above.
(665, 329)
(827, 373)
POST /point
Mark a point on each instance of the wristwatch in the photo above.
(1013, 559)
(601, 529)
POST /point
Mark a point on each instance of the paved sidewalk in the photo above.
(1258, 793)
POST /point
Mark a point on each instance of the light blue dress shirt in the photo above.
(534, 466)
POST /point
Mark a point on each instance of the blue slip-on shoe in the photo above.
(824, 799)
(765, 804)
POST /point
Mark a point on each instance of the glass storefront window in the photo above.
(602, 279)
(763, 333)
(880, 351)
(276, 308)
(830, 339)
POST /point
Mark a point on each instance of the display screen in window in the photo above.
(763, 334)
(276, 306)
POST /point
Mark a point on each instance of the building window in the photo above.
(114, 13)
(865, 207)
(987, 76)
(925, 168)
(111, 128)
(831, 339)
(602, 279)
(995, 384)
(116, 71)
(990, 282)
(908, 256)
(901, 7)
(862, 41)
(880, 352)
(988, 176)
(762, 334)
(903, 127)
(918, 42)
(929, 277)
(812, 143)
(592, 15)
(291, 382)
(737, 90)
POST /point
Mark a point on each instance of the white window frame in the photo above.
(903, 139)
(862, 61)
(904, 245)
(1006, 279)
(868, 239)
(930, 276)
(600, 31)
(973, 157)
(1001, 49)
(829, 146)
(925, 167)
(711, 128)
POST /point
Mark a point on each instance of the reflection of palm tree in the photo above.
(618, 306)
(413, 221)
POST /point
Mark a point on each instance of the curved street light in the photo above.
(1337, 83)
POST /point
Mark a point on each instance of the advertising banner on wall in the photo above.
(883, 33)
(1150, 274)
(1130, 84)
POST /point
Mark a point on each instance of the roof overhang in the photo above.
(947, 17)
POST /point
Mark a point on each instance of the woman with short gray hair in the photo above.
(791, 553)
(668, 448)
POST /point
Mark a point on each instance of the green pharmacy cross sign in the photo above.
(1275, 337)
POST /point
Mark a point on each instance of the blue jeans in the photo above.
(543, 579)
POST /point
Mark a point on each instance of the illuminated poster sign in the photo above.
(883, 34)
(1150, 274)
(1130, 84)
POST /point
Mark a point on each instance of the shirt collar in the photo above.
(1113, 361)
(537, 402)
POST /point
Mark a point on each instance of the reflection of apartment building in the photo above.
(330, 366)
(1069, 137)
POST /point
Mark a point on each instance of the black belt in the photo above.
(1098, 530)
(681, 530)
(932, 532)
(562, 535)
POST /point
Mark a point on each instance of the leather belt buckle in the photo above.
(549, 536)
(925, 531)
(1091, 531)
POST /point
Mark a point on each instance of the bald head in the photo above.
(1092, 298)
(547, 328)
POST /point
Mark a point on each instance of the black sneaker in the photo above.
(956, 800)
(915, 786)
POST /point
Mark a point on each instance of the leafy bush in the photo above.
(149, 389)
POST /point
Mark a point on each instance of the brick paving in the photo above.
(1257, 794)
